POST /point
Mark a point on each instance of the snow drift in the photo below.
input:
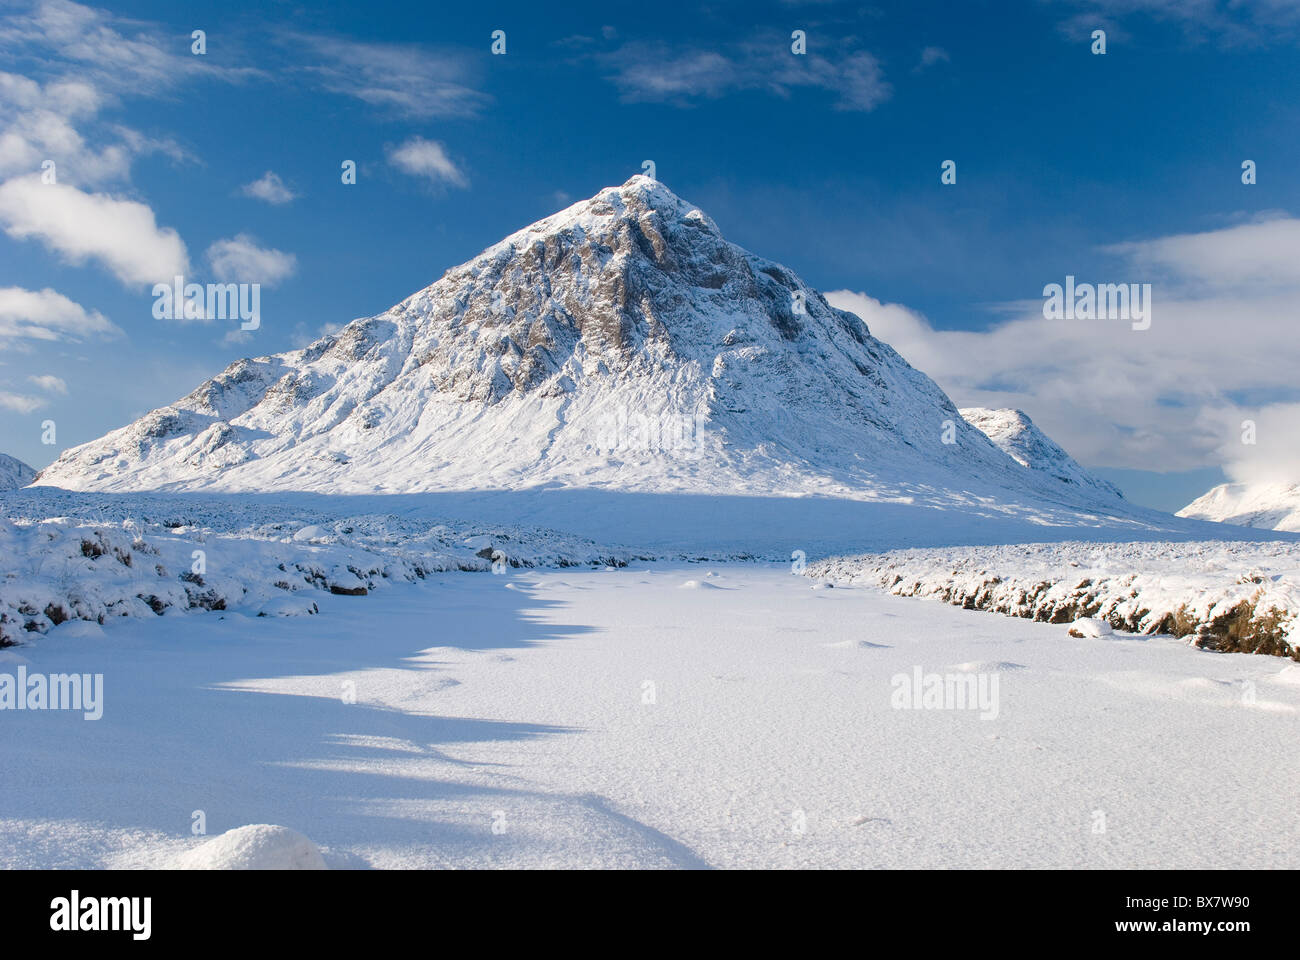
(259, 846)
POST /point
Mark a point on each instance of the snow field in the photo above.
(584, 718)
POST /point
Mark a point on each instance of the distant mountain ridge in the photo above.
(14, 473)
(1017, 436)
(1270, 506)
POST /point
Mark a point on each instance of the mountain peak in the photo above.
(1017, 436)
(621, 342)
(640, 199)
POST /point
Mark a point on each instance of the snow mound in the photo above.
(987, 666)
(1090, 627)
(291, 606)
(78, 630)
(1289, 675)
(259, 846)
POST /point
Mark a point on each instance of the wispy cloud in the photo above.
(1221, 21)
(20, 402)
(402, 80)
(303, 337)
(110, 52)
(427, 159)
(270, 188)
(667, 73)
(929, 57)
(49, 383)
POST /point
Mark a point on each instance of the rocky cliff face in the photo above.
(620, 343)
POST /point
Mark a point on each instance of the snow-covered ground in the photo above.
(73, 557)
(95, 556)
(1228, 595)
(671, 716)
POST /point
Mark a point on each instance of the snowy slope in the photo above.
(1017, 436)
(14, 473)
(1272, 506)
(620, 344)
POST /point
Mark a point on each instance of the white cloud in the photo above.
(20, 402)
(89, 60)
(269, 187)
(1221, 348)
(123, 235)
(49, 383)
(1274, 456)
(428, 159)
(1261, 254)
(239, 259)
(71, 98)
(47, 315)
(37, 126)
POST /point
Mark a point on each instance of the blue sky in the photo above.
(1114, 168)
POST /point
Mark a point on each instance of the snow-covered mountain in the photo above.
(1017, 436)
(621, 343)
(14, 473)
(1271, 506)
